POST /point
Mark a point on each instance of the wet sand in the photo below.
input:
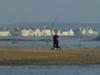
(45, 56)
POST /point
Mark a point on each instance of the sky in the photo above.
(75, 11)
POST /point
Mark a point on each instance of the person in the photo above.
(56, 41)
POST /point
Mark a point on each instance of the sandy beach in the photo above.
(45, 56)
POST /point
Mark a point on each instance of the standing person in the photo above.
(56, 41)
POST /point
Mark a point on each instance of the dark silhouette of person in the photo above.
(56, 41)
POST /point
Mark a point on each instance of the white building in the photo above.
(84, 32)
(27, 32)
(46, 32)
(89, 32)
(65, 33)
(5, 33)
(71, 32)
(68, 33)
(38, 33)
(59, 32)
(52, 32)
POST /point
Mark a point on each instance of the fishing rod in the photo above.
(54, 22)
(52, 26)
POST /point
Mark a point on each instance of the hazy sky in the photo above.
(82, 11)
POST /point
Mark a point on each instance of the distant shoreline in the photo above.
(44, 56)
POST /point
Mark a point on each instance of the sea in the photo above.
(70, 42)
(51, 70)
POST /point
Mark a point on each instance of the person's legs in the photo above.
(57, 46)
(54, 46)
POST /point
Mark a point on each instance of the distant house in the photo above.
(89, 32)
(27, 32)
(46, 32)
(65, 33)
(52, 32)
(71, 32)
(68, 33)
(84, 32)
(5, 33)
(37, 33)
(59, 32)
